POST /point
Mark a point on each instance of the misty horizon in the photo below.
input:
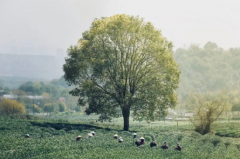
(43, 27)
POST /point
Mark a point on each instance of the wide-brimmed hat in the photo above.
(27, 135)
(90, 134)
(115, 135)
(134, 134)
(142, 138)
(79, 136)
(120, 139)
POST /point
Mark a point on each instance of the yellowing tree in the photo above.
(208, 108)
(36, 109)
(9, 107)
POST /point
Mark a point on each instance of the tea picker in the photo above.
(134, 135)
(27, 136)
(178, 147)
(120, 140)
(93, 133)
(79, 138)
(141, 142)
(90, 135)
(115, 136)
(153, 144)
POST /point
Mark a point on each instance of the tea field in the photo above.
(50, 140)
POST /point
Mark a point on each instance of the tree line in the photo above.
(55, 98)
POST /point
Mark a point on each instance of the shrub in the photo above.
(62, 107)
(208, 109)
(11, 107)
(216, 141)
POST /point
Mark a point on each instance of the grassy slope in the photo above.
(57, 140)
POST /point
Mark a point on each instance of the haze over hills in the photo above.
(32, 66)
(207, 68)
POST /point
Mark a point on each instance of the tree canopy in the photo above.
(236, 107)
(207, 69)
(123, 63)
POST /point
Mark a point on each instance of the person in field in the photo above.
(79, 138)
(90, 135)
(137, 143)
(115, 136)
(134, 135)
(27, 136)
(178, 147)
(140, 142)
(164, 146)
(120, 140)
(153, 144)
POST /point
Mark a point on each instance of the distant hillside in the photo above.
(15, 82)
(32, 66)
(208, 69)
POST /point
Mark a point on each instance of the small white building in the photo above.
(10, 96)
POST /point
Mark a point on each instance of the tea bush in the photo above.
(48, 142)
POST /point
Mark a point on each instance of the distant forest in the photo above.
(206, 69)
(210, 68)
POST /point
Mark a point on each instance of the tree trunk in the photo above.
(126, 114)
(207, 128)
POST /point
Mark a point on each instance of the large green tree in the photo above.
(123, 63)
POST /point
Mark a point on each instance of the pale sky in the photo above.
(43, 26)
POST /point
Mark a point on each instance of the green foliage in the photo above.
(37, 88)
(57, 140)
(236, 107)
(50, 91)
(60, 82)
(208, 69)
(50, 107)
(18, 92)
(228, 130)
(62, 107)
(124, 63)
(78, 109)
(5, 89)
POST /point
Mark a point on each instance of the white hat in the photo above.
(120, 139)
(93, 132)
(134, 134)
(115, 135)
(79, 136)
(90, 135)
(142, 138)
(27, 135)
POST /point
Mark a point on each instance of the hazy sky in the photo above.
(43, 26)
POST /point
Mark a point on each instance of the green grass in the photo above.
(57, 140)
